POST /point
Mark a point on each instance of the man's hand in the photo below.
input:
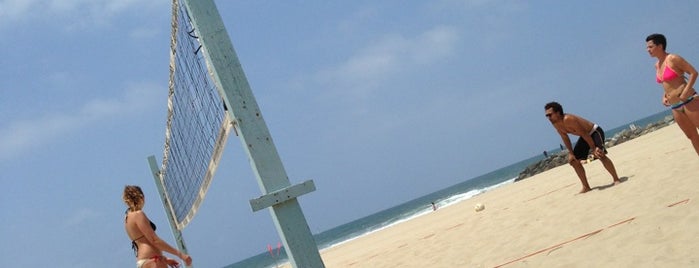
(598, 152)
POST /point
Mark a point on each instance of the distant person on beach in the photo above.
(670, 70)
(147, 246)
(546, 154)
(590, 136)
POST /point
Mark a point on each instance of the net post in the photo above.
(283, 195)
(176, 233)
(230, 80)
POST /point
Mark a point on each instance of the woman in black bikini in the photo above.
(679, 91)
(147, 246)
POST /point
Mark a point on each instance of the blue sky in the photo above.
(378, 102)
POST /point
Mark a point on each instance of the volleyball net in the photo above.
(205, 75)
(197, 124)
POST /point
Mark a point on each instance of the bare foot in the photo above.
(584, 190)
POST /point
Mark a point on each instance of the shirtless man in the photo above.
(591, 136)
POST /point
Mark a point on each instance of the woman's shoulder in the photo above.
(677, 62)
(672, 57)
(136, 215)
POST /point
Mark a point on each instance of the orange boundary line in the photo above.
(679, 202)
(566, 242)
(537, 197)
(455, 226)
(681, 149)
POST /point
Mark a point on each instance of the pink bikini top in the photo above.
(668, 74)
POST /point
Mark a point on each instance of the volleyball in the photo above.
(479, 207)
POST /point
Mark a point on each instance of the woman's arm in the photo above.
(143, 224)
(685, 67)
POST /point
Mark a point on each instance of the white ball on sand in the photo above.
(479, 207)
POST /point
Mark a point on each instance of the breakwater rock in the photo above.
(561, 158)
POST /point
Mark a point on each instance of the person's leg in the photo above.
(580, 151)
(610, 168)
(687, 126)
(598, 138)
(687, 119)
(580, 171)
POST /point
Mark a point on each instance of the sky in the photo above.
(378, 102)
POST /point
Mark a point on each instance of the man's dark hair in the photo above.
(658, 39)
(555, 106)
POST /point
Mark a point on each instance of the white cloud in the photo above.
(23, 135)
(73, 13)
(434, 44)
(497, 16)
(390, 55)
(14, 9)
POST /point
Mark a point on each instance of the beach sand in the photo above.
(650, 220)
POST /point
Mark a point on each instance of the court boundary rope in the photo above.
(566, 242)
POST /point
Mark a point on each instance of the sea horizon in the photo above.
(417, 207)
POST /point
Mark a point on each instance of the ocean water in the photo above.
(422, 205)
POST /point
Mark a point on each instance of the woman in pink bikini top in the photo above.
(670, 70)
(667, 75)
(679, 90)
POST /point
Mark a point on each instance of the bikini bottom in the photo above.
(141, 262)
(680, 104)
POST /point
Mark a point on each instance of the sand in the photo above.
(650, 220)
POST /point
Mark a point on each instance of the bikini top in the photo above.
(152, 225)
(134, 246)
(668, 74)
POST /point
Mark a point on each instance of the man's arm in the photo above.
(589, 140)
(566, 140)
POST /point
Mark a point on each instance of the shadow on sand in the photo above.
(603, 187)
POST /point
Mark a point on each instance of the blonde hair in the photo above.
(133, 197)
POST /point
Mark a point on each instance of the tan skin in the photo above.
(137, 225)
(572, 124)
(678, 90)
